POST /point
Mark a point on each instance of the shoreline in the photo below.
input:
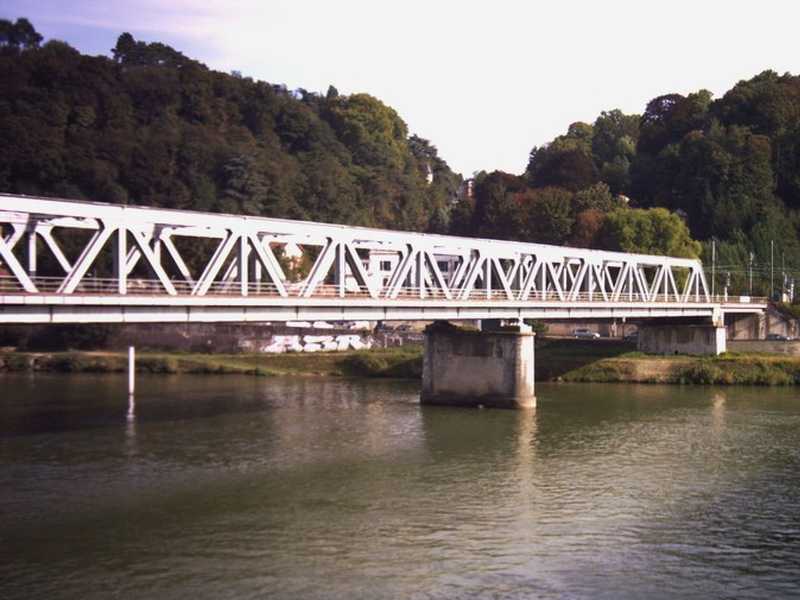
(556, 360)
(397, 363)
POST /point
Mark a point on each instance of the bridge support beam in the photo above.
(478, 368)
(682, 339)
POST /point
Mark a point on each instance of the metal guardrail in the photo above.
(96, 286)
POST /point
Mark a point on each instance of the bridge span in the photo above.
(65, 261)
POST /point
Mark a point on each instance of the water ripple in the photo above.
(243, 488)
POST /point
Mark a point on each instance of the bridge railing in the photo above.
(100, 286)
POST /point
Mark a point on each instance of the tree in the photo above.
(614, 134)
(19, 35)
(597, 197)
(668, 118)
(648, 231)
(548, 215)
(130, 52)
(151, 126)
(497, 212)
(614, 147)
(571, 168)
(373, 132)
(724, 178)
(587, 228)
(769, 105)
(566, 162)
(462, 218)
(665, 122)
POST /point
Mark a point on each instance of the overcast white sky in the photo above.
(484, 81)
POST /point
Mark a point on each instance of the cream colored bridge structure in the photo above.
(65, 261)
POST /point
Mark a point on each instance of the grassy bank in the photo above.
(393, 362)
(727, 369)
(613, 362)
(556, 360)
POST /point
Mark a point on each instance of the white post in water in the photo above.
(131, 369)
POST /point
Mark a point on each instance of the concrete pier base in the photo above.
(682, 339)
(471, 368)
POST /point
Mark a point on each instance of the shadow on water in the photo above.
(47, 403)
(555, 357)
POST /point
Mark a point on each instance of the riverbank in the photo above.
(610, 361)
(605, 361)
(401, 363)
(727, 369)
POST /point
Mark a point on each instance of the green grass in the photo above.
(727, 369)
(742, 369)
(597, 372)
(405, 362)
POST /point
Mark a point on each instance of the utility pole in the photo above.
(751, 273)
(771, 269)
(727, 284)
(783, 275)
(713, 265)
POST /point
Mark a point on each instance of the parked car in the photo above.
(779, 337)
(632, 337)
(585, 334)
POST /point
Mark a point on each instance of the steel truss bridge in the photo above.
(74, 261)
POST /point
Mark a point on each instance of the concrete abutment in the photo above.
(701, 339)
(493, 368)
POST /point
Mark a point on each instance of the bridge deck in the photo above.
(144, 302)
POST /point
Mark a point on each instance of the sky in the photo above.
(484, 81)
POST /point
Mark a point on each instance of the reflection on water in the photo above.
(225, 487)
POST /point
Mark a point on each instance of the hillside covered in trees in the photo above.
(729, 168)
(151, 126)
(148, 125)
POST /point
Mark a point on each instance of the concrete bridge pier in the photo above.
(493, 368)
(681, 338)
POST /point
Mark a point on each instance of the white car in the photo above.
(586, 334)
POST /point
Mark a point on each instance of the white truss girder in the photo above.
(478, 270)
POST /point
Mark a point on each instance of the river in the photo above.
(246, 487)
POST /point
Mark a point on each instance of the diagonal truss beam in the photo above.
(213, 267)
(86, 258)
(153, 262)
(320, 269)
(16, 268)
(270, 263)
(46, 233)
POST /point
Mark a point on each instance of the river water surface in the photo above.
(228, 487)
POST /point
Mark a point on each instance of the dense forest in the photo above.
(728, 168)
(148, 125)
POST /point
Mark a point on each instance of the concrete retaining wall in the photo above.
(682, 339)
(255, 338)
(235, 338)
(758, 327)
(774, 347)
